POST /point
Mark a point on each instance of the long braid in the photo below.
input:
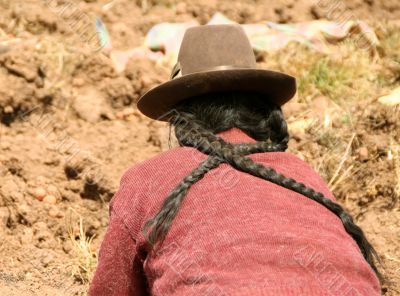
(161, 223)
(224, 150)
(187, 127)
(190, 132)
(193, 129)
(247, 165)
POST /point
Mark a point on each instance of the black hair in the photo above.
(197, 123)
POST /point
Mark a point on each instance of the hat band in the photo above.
(177, 70)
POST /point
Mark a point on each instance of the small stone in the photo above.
(300, 126)
(8, 109)
(130, 117)
(50, 199)
(363, 154)
(55, 213)
(39, 193)
(53, 190)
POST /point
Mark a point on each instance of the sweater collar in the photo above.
(236, 136)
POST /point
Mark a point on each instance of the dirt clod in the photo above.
(50, 199)
(69, 125)
(363, 153)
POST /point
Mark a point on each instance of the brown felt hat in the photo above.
(215, 58)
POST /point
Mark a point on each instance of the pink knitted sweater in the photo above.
(234, 234)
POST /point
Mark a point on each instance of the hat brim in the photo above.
(158, 102)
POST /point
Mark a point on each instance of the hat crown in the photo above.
(209, 47)
(215, 59)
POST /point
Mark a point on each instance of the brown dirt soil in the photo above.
(69, 128)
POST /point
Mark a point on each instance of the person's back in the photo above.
(229, 212)
(235, 234)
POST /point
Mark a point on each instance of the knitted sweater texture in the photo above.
(234, 234)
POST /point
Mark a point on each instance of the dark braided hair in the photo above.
(196, 125)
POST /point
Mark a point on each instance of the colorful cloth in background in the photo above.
(165, 38)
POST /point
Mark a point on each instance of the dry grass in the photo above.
(347, 73)
(86, 257)
(325, 77)
(394, 155)
(338, 176)
(351, 80)
(389, 35)
(344, 77)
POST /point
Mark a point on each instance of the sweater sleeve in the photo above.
(119, 271)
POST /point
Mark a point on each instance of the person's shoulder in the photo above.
(281, 158)
(292, 166)
(141, 183)
(165, 163)
(290, 161)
